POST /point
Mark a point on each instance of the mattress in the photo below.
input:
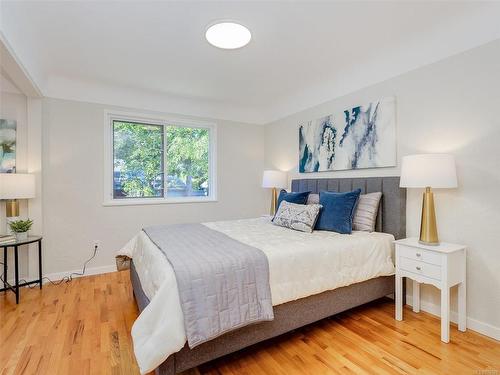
(300, 265)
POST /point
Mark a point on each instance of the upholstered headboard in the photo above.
(392, 211)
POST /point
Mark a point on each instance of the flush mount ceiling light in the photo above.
(228, 35)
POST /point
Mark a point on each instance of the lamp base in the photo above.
(11, 213)
(428, 226)
(12, 208)
(274, 199)
(429, 243)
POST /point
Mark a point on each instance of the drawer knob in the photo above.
(419, 255)
(418, 268)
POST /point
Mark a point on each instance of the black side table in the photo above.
(15, 245)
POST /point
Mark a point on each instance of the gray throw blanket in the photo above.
(223, 284)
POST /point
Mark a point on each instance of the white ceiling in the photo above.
(153, 55)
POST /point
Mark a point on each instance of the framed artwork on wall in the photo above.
(8, 130)
(360, 137)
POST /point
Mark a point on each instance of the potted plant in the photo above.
(21, 228)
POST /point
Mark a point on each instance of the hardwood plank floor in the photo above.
(83, 327)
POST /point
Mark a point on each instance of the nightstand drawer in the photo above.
(420, 254)
(420, 268)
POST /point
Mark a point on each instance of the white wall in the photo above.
(73, 186)
(448, 107)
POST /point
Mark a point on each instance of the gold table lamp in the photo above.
(15, 186)
(274, 180)
(426, 171)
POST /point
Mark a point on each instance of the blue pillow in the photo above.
(338, 211)
(297, 198)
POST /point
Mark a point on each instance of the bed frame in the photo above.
(295, 314)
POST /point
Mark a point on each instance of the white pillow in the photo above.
(300, 217)
(365, 215)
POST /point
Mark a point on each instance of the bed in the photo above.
(294, 305)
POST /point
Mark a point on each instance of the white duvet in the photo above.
(300, 265)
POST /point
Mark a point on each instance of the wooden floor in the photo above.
(83, 327)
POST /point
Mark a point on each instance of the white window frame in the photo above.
(110, 116)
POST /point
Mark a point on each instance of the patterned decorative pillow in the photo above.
(300, 217)
(365, 216)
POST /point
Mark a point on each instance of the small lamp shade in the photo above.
(274, 179)
(17, 186)
(428, 170)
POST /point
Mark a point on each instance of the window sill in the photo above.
(156, 201)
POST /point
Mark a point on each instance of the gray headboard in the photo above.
(392, 212)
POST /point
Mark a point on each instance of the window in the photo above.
(158, 161)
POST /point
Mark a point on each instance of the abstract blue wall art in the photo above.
(360, 137)
(8, 146)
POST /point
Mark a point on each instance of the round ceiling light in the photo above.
(228, 35)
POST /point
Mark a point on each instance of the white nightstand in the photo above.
(442, 266)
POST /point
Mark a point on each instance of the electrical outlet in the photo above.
(97, 243)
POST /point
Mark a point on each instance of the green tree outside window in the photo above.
(139, 160)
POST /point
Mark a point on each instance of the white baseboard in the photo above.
(88, 272)
(475, 325)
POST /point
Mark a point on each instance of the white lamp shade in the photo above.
(274, 179)
(17, 186)
(428, 170)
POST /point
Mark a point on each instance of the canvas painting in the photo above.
(360, 137)
(7, 146)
